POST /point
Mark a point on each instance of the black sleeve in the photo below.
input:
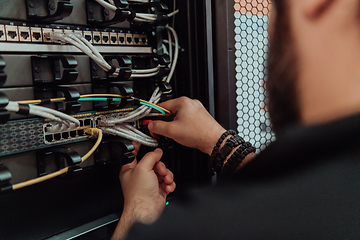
(322, 202)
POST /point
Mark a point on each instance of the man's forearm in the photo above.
(122, 229)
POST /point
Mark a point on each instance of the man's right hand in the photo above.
(192, 125)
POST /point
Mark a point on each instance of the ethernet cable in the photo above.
(93, 132)
(45, 113)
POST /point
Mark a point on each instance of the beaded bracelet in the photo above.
(236, 158)
(224, 152)
(216, 149)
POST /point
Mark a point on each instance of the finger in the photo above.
(136, 148)
(171, 105)
(160, 168)
(169, 178)
(168, 188)
(162, 128)
(150, 159)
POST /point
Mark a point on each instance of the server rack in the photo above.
(86, 203)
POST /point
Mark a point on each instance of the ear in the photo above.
(315, 8)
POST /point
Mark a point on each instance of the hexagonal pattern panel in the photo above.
(251, 50)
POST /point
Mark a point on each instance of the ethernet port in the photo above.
(12, 34)
(81, 132)
(81, 123)
(1, 33)
(143, 40)
(88, 37)
(97, 39)
(105, 39)
(113, 39)
(87, 122)
(25, 35)
(49, 138)
(57, 136)
(37, 36)
(65, 135)
(73, 134)
(129, 40)
(137, 40)
(122, 38)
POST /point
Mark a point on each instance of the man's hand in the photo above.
(192, 126)
(145, 186)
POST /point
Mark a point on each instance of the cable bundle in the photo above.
(86, 47)
(62, 121)
(139, 17)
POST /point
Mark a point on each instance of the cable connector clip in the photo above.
(5, 177)
(4, 114)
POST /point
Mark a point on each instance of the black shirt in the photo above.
(305, 185)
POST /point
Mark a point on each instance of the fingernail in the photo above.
(158, 150)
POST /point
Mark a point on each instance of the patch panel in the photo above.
(2, 33)
(96, 37)
(24, 34)
(105, 37)
(12, 34)
(36, 34)
(114, 38)
(129, 39)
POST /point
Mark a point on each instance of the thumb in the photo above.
(150, 159)
(161, 127)
(127, 167)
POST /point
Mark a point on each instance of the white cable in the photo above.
(144, 75)
(176, 54)
(106, 5)
(170, 44)
(136, 135)
(173, 13)
(112, 2)
(56, 113)
(127, 136)
(151, 70)
(46, 113)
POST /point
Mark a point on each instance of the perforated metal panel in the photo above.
(251, 52)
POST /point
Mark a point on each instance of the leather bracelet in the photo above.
(224, 152)
(235, 160)
(216, 150)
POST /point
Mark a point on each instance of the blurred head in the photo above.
(314, 54)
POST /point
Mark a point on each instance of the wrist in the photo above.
(213, 139)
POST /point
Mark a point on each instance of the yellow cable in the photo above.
(93, 132)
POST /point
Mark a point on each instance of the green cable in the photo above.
(117, 100)
(100, 99)
(156, 108)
